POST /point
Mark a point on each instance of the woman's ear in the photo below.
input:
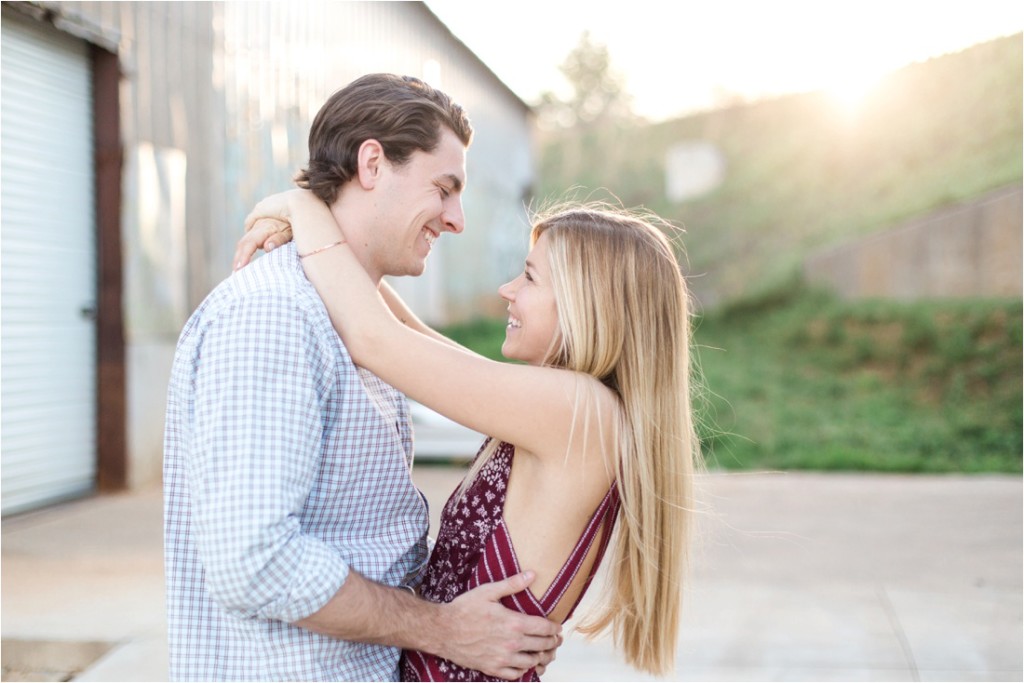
(371, 161)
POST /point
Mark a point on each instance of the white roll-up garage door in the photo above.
(47, 267)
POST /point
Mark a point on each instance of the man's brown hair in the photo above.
(402, 113)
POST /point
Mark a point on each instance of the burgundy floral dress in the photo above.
(473, 547)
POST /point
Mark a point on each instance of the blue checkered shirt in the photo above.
(285, 466)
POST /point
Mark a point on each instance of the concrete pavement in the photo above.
(847, 577)
(797, 576)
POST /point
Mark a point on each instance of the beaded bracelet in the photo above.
(323, 248)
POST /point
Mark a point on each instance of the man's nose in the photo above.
(453, 219)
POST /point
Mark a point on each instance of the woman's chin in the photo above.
(507, 350)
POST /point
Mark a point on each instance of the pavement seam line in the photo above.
(901, 637)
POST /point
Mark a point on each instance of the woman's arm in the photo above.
(268, 233)
(532, 407)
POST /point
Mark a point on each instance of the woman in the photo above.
(593, 434)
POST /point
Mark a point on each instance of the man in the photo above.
(292, 528)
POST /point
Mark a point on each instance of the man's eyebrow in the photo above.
(456, 182)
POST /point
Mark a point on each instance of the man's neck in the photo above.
(357, 230)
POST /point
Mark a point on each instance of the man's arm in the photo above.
(474, 630)
(401, 310)
(254, 459)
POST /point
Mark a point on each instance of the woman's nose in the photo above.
(506, 291)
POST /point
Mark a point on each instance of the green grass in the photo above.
(483, 335)
(799, 380)
(809, 382)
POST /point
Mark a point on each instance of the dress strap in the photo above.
(605, 512)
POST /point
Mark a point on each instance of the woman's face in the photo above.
(532, 314)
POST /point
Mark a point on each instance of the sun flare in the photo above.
(850, 87)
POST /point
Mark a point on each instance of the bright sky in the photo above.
(683, 55)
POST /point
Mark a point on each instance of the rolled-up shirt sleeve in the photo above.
(258, 443)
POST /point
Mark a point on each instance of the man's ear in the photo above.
(371, 163)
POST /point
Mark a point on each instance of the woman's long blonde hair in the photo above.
(623, 315)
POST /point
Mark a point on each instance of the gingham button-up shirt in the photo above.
(284, 468)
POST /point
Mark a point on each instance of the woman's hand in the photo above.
(269, 224)
(264, 233)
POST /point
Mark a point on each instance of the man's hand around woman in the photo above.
(489, 633)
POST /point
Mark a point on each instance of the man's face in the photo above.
(417, 203)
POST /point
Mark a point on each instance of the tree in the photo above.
(598, 93)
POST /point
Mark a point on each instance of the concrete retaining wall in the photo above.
(969, 250)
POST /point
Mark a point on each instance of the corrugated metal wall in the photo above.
(172, 124)
(216, 102)
(233, 87)
(281, 64)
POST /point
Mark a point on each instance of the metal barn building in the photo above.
(135, 138)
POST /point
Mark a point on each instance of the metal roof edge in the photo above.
(476, 57)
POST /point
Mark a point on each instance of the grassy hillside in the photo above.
(802, 174)
(807, 381)
(804, 381)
